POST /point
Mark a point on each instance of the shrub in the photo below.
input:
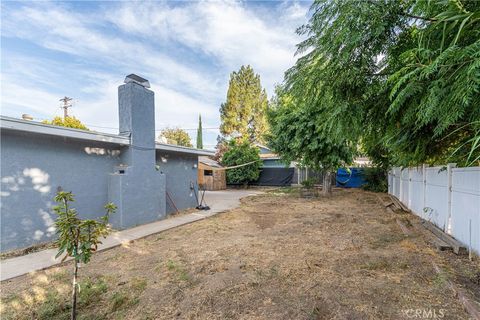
(239, 153)
(308, 183)
(376, 179)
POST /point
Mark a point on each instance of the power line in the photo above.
(105, 127)
(189, 129)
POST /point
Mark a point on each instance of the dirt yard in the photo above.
(279, 256)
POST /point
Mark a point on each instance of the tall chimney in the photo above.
(135, 186)
(136, 107)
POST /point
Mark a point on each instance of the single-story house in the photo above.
(211, 174)
(129, 169)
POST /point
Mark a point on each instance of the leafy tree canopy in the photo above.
(399, 79)
(241, 152)
(244, 113)
(70, 122)
(176, 136)
(298, 134)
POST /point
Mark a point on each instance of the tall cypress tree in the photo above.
(244, 113)
(199, 133)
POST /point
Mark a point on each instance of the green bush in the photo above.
(241, 152)
(376, 179)
(308, 183)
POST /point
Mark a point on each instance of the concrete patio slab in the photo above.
(219, 201)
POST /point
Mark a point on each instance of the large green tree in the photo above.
(435, 89)
(298, 134)
(398, 79)
(176, 136)
(244, 113)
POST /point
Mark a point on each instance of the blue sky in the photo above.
(186, 49)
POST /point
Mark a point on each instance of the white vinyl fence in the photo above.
(448, 197)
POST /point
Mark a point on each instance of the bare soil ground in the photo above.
(279, 256)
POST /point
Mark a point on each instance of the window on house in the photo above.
(208, 172)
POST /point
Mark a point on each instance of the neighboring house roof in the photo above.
(209, 162)
(269, 156)
(13, 124)
(362, 161)
(263, 149)
(262, 146)
(266, 153)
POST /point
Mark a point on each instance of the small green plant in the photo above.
(138, 284)
(171, 265)
(179, 270)
(78, 238)
(53, 306)
(308, 183)
(381, 264)
(118, 300)
(91, 291)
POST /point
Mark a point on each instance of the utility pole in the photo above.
(66, 104)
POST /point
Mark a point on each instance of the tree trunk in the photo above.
(327, 183)
(74, 292)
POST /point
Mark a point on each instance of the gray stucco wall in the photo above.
(180, 173)
(34, 166)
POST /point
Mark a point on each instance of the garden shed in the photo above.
(211, 174)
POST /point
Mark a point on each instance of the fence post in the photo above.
(389, 182)
(448, 226)
(393, 180)
(409, 200)
(424, 186)
(400, 193)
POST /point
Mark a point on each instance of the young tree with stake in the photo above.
(78, 238)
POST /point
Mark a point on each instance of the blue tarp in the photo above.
(352, 179)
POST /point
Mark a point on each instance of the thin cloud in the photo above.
(186, 50)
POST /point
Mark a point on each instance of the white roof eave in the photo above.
(8, 123)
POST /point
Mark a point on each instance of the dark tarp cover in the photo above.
(275, 177)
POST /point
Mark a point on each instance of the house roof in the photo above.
(209, 162)
(14, 124)
(269, 156)
(262, 146)
(266, 153)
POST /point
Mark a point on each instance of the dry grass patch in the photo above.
(278, 256)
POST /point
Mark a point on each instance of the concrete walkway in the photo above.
(219, 201)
